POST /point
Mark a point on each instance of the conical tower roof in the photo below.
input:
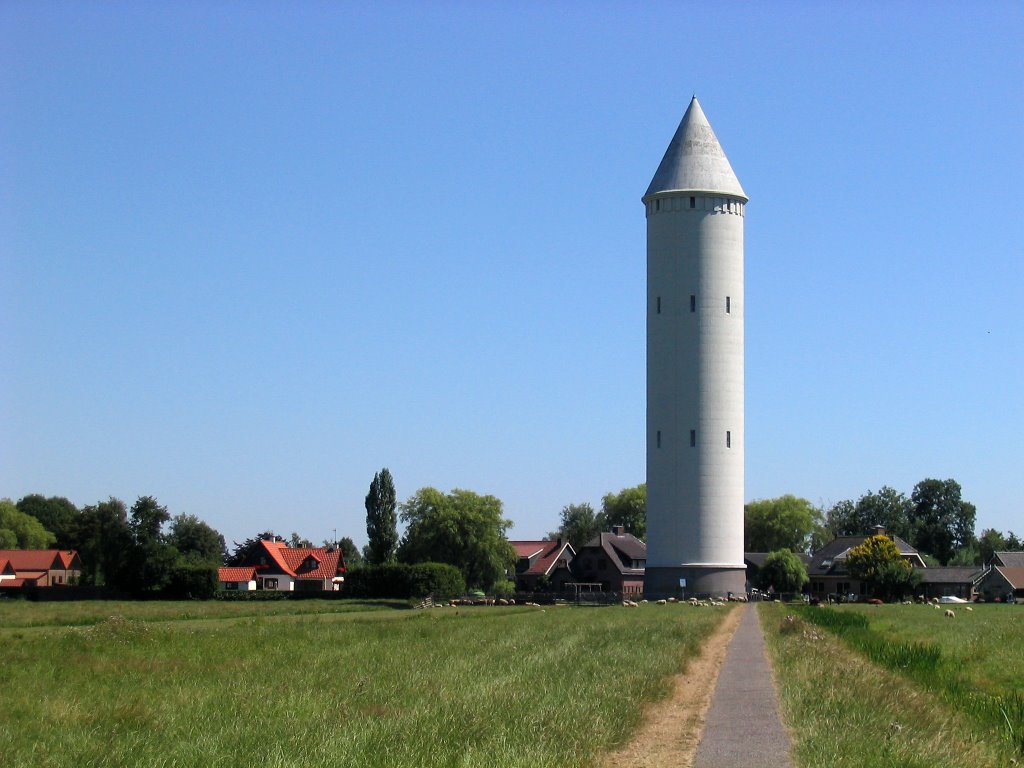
(694, 160)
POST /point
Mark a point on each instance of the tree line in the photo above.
(934, 519)
(142, 550)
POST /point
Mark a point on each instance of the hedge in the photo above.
(403, 581)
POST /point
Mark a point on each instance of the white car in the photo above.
(951, 599)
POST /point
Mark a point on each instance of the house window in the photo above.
(270, 583)
(728, 439)
(693, 438)
(693, 303)
(230, 585)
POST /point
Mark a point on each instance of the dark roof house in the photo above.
(539, 563)
(615, 560)
(1007, 559)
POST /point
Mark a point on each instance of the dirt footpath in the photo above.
(671, 728)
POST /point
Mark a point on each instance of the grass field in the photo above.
(203, 685)
(874, 687)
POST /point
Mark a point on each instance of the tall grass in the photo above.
(925, 662)
(846, 710)
(448, 687)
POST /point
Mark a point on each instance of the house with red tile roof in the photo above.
(39, 568)
(234, 578)
(291, 569)
(544, 564)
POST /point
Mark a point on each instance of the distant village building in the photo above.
(275, 565)
(616, 561)
(544, 565)
(21, 568)
(828, 573)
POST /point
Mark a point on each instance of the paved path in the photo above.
(742, 727)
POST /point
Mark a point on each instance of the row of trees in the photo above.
(934, 519)
(464, 529)
(142, 550)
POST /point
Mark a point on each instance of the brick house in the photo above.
(615, 560)
(1003, 583)
(828, 574)
(543, 563)
(21, 568)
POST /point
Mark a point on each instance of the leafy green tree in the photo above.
(381, 521)
(782, 523)
(21, 531)
(886, 507)
(992, 541)
(943, 521)
(195, 540)
(56, 514)
(151, 559)
(461, 528)
(579, 524)
(627, 508)
(102, 539)
(245, 553)
(878, 564)
(783, 571)
(349, 550)
(299, 542)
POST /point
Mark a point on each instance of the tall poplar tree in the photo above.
(381, 520)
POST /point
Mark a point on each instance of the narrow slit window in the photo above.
(659, 305)
(728, 305)
(657, 205)
(693, 202)
(693, 438)
(659, 438)
(728, 439)
(693, 303)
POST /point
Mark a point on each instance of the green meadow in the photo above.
(331, 683)
(877, 686)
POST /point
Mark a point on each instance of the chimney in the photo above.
(619, 530)
(879, 530)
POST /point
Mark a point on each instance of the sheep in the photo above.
(936, 606)
(663, 602)
(968, 608)
(949, 614)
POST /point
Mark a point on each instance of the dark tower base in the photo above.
(701, 581)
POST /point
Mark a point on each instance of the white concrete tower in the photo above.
(695, 367)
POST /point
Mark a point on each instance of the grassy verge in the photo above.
(846, 709)
(501, 687)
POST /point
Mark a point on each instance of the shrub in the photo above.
(192, 581)
(403, 581)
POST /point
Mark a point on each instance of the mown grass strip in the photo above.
(924, 662)
(448, 687)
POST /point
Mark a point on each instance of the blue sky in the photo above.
(250, 253)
